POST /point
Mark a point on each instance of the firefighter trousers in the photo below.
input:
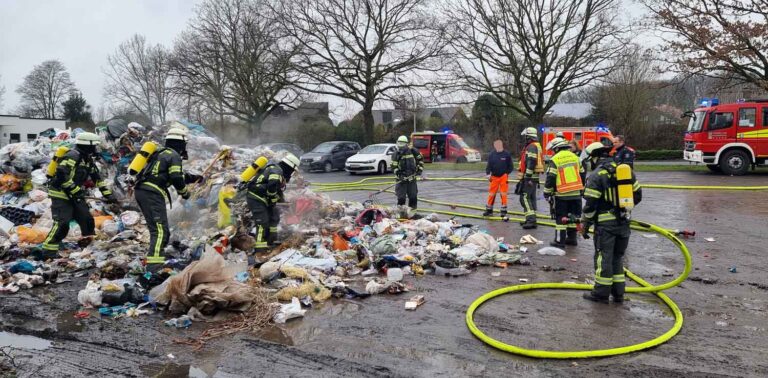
(611, 241)
(528, 199)
(407, 188)
(152, 205)
(265, 221)
(567, 211)
(497, 185)
(63, 211)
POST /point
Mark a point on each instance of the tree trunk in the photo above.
(368, 123)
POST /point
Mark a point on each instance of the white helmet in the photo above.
(402, 140)
(176, 134)
(554, 142)
(290, 160)
(87, 139)
(530, 132)
(558, 143)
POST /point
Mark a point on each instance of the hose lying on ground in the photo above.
(644, 287)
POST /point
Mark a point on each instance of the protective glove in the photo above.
(242, 186)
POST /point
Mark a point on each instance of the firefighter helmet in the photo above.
(557, 144)
(290, 160)
(402, 140)
(596, 149)
(530, 132)
(176, 134)
(87, 139)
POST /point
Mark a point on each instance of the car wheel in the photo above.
(352, 173)
(328, 167)
(735, 163)
(714, 168)
(461, 160)
(382, 168)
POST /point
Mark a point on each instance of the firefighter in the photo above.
(407, 164)
(265, 190)
(623, 154)
(67, 193)
(531, 166)
(162, 170)
(564, 183)
(497, 170)
(611, 222)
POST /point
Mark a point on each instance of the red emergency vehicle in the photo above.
(584, 136)
(445, 146)
(728, 138)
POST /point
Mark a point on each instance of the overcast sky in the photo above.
(81, 33)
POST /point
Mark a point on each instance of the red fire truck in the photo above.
(582, 135)
(728, 138)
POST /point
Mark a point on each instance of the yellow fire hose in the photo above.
(644, 287)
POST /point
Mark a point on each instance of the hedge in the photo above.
(659, 155)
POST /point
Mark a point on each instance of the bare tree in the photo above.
(715, 38)
(360, 50)
(236, 59)
(139, 76)
(44, 89)
(528, 52)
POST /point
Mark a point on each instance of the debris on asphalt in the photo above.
(551, 251)
(414, 302)
(710, 239)
(732, 269)
(529, 239)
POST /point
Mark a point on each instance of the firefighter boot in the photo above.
(571, 238)
(529, 224)
(558, 242)
(42, 254)
(503, 212)
(594, 298)
(153, 276)
(488, 211)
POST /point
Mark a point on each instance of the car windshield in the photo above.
(324, 148)
(374, 149)
(461, 142)
(696, 122)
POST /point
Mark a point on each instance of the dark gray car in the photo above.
(328, 156)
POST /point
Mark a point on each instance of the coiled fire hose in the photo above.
(374, 184)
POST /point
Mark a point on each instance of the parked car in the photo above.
(328, 156)
(290, 147)
(374, 158)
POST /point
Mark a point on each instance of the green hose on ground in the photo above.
(644, 287)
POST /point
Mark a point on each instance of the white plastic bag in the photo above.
(289, 311)
(91, 295)
(551, 251)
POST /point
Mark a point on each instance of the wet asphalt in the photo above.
(724, 333)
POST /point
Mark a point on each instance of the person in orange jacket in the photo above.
(497, 170)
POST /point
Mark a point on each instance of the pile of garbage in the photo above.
(329, 249)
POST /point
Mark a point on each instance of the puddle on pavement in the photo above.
(13, 340)
(171, 370)
(66, 323)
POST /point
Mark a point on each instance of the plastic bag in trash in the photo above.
(129, 218)
(289, 311)
(469, 252)
(486, 242)
(384, 245)
(551, 251)
(91, 295)
(38, 177)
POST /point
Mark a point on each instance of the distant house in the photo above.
(278, 125)
(578, 110)
(15, 129)
(391, 116)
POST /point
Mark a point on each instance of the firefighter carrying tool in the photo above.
(162, 169)
(265, 190)
(67, 194)
(531, 166)
(498, 169)
(611, 193)
(563, 182)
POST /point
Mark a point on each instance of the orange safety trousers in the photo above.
(498, 185)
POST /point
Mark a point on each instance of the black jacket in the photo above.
(499, 163)
(625, 155)
(163, 170)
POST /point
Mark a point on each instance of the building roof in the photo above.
(447, 113)
(42, 119)
(577, 110)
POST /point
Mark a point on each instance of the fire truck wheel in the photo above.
(735, 162)
(714, 168)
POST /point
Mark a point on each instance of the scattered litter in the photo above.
(414, 302)
(180, 322)
(650, 236)
(732, 269)
(171, 356)
(522, 279)
(529, 239)
(289, 311)
(495, 274)
(710, 239)
(574, 260)
(551, 251)
(721, 323)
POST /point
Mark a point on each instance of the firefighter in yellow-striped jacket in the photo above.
(564, 183)
(67, 193)
(602, 208)
(164, 169)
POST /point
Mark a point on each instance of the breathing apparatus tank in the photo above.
(253, 169)
(624, 187)
(60, 152)
(141, 158)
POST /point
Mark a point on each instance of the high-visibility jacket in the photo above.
(73, 170)
(267, 186)
(531, 160)
(163, 170)
(564, 175)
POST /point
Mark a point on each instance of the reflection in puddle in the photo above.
(171, 370)
(66, 323)
(22, 341)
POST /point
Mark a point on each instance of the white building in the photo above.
(15, 129)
